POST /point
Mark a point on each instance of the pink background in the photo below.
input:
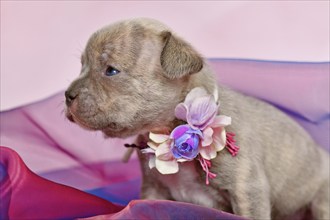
(41, 41)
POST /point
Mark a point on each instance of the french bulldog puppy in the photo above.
(135, 72)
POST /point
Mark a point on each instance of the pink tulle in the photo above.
(79, 160)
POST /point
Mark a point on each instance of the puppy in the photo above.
(135, 72)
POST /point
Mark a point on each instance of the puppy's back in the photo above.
(294, 164)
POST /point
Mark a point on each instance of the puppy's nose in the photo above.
(69, 97)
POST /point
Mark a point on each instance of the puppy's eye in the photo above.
(111, 71)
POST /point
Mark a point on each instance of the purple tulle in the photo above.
(52, 169)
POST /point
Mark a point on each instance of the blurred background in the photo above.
(41, 41)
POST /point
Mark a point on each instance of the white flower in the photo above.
(163, 158)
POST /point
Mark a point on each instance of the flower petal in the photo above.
(195, 131)
(175, 152)
(158, 138)
(221, 121)
(219, 138)
(167, 167)
(166, 157)
(148, 150)
(202, 112)
(152, 162)
(179, 131)
(163, 151)
(191, 155)
(193, 141)
(181, 111)
(208, 152)
(207, 136)
(193, 94)
(152, 145)
(182, 139)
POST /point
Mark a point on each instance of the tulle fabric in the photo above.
(52, 169)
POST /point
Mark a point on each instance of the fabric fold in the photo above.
(25, 195)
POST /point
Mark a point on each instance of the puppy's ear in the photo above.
(178, 58)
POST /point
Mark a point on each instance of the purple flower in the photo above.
(186, 142)
(199, 109)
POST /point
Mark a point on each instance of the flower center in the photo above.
(185, 147)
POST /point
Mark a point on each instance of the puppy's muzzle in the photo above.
(69, 100)
(69, 97)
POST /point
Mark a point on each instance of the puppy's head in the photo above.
(133, 75)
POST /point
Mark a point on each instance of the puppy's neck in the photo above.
(167, 129)
(205, 78)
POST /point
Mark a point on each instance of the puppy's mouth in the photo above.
(112, 129)
(73, 118)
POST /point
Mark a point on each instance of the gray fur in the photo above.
(279, 169)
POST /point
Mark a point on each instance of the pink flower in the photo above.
(200, 111)
(214, 137)
(204, 135)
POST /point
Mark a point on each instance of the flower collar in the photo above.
(201, 138)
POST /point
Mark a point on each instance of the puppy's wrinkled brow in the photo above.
(104, 57)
